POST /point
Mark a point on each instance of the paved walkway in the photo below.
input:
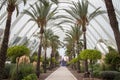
(61, 73)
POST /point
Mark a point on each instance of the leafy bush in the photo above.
(54, 61)
(6, 73)
(30, 77)
(90, 54)
(96, 73)
(96, 70)
(117, 77)
(74, 60)
(112, 59)
(23, 71)
(33, 57)
(109, 75)
(17, 51)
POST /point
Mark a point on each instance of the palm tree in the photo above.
(46, 43)
(76, 33)
(80, 16)
(54, 43)
(69, 48)
(11, 6)
(113, 22)
(57, 56)
(54, 1)
(70, 45)
(41, 13)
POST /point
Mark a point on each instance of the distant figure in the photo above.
(63, 62)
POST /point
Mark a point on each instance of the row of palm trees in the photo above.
(42, 13)
(79, 16)
(11, 6)
(50, 40)
(74, 43)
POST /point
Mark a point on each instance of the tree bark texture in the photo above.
(4, 47)
(113, 22)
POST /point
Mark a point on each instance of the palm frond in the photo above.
(33, 9)
(51, 14)
(96, 13)
(55, 1)
(31, 19)
(17, 9)
(29, 14)
(85, 7)
(64, 17)
(3, 3)
(46, 10)
(24, 2)
(61, 27)
(45, 2)
(71, 13)
(65, 21)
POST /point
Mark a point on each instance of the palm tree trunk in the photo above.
(84, 36)
(85, 47)
(45, 61)
(51, 61)
(74, 64)
(78, 62)
(39, 55)
(113, 22)
(4, 47)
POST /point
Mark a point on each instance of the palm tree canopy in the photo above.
(78, 13)
(75, 32)
(55, 42)
(41, 13)
(46, 37)
(12, 4)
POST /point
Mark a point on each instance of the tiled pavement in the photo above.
(61, 73)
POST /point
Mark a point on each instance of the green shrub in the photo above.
(112, 59)
(117, 77)
(109, 75)
(30, 77)
(6, 73)
(33, 57)
(74, 60)
(96, 70)
(96, 73)
(90, 54)
(17, 51)
(23, 71)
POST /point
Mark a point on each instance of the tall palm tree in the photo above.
(11, 6)
(76, 33)
(57, 56)
(113, 22)
(70, 45)
(69, 48)
(46, 43)
(41, 13)
(80, 16)
(54, 43)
